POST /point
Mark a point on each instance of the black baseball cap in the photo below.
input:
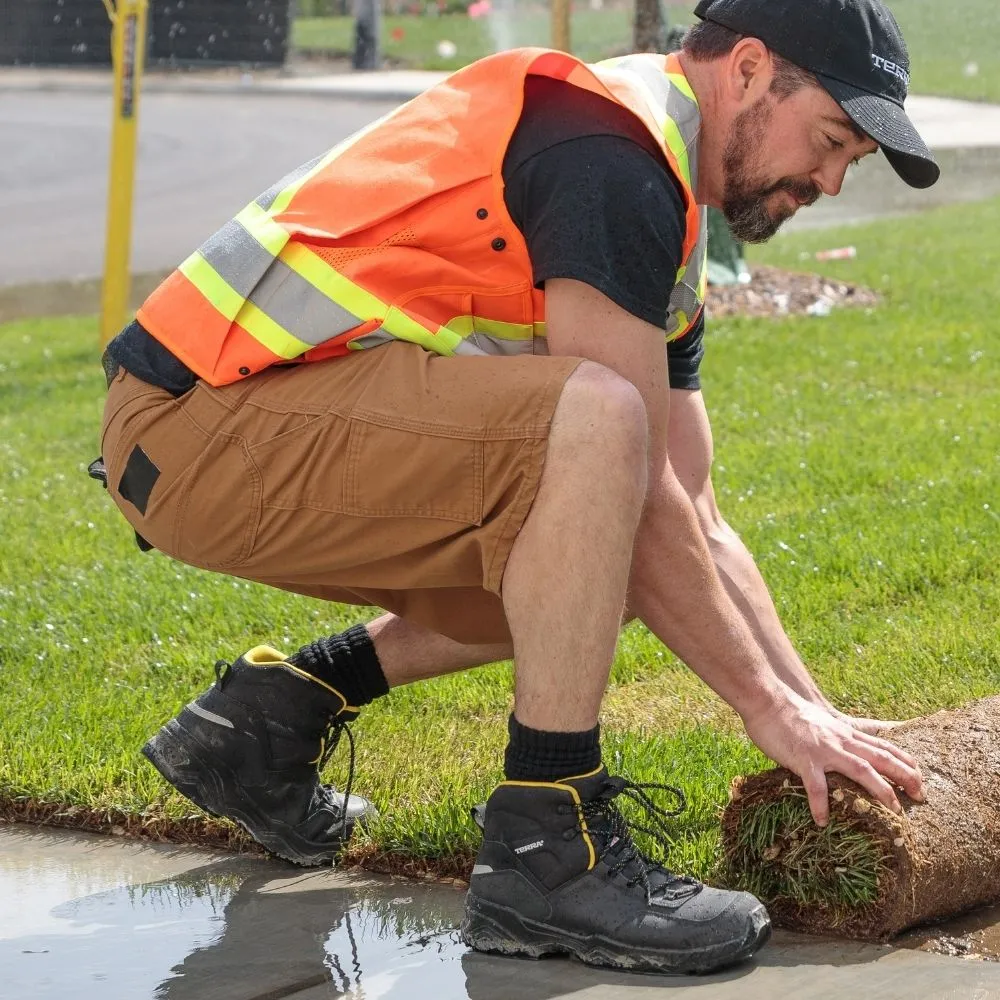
(856, 51)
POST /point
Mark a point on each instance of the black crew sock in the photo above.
(535, 755)
(347, 662)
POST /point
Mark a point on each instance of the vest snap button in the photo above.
(482, 213)
(499, 243)
(244, 370)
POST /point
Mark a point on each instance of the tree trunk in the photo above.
(937, 859)
(649, 28)
(367, 34)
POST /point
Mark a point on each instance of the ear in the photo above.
(748, 72)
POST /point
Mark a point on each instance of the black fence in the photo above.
(180, 33)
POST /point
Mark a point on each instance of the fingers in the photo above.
(860, 770)
(814, 782)
(895, 763)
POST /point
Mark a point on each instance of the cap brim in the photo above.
(886, 122)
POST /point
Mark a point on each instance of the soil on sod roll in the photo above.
(871, 873)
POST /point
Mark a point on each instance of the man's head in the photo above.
(803, 89)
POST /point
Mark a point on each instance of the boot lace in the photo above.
(602, 816)
(335, 728)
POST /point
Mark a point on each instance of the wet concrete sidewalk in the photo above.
(83, 916)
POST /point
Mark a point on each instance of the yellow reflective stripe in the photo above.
(332, 283)
(268, 233)
(674, 139)
(227, 301)
(272, 335)
(222, 296)
(406, 328)
(681, 83)
(465, 326)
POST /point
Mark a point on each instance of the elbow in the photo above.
(717, 532)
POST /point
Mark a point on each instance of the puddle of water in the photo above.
(227, 929)
(86, 917)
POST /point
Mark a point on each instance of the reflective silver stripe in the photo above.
(684, 299)
(483, 343)
(678, 106)
(237, 258)
(211, 716)
(373, 339)
(295, 304)
(271, 285)
(267, 199)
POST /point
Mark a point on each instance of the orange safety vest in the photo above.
(401, 231)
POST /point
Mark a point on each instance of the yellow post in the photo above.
(560, 24)
(128, 46)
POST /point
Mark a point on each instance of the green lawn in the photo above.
(856, 454)
(953, 50)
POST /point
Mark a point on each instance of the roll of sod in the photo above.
(870, 873)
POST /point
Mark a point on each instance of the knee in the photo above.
(606, 412)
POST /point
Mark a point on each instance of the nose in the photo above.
(829, 178)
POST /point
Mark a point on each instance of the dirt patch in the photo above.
(938, 859)
(776, 292)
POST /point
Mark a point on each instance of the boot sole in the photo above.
(489, 927)
(212, 786)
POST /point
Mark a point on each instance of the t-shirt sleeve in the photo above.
(684, 357)
(603, 210)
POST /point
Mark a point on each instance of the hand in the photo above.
(870, 726)
(808, 740)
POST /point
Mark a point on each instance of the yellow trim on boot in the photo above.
(268, 656)
(584, 832)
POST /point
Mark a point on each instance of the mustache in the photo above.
(804, 191)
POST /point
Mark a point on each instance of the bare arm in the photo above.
(689, 444)
(677, 592)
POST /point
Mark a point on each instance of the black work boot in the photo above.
(558, 872)
(251, 749)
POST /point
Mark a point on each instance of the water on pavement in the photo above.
(85, 917)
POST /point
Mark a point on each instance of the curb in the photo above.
(388, 85)
(69, 298)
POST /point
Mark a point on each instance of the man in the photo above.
(482, 441)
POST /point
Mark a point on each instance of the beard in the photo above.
(746, 193)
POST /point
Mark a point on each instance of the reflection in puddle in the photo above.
(241, 929)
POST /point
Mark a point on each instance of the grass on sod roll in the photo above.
(952, 46)
(856, 455)
(781, 853)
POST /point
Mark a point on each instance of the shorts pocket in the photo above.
(219, 508)
(395, 471)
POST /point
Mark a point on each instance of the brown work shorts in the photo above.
(391, 477)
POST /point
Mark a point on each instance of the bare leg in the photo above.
(565, 581)
(409, 652)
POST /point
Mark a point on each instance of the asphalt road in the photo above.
(202, 157)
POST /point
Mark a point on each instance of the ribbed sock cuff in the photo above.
(347, 662)
(537, 755)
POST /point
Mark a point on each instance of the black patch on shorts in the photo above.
(138, 479)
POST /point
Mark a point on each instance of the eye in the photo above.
(834, 143)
